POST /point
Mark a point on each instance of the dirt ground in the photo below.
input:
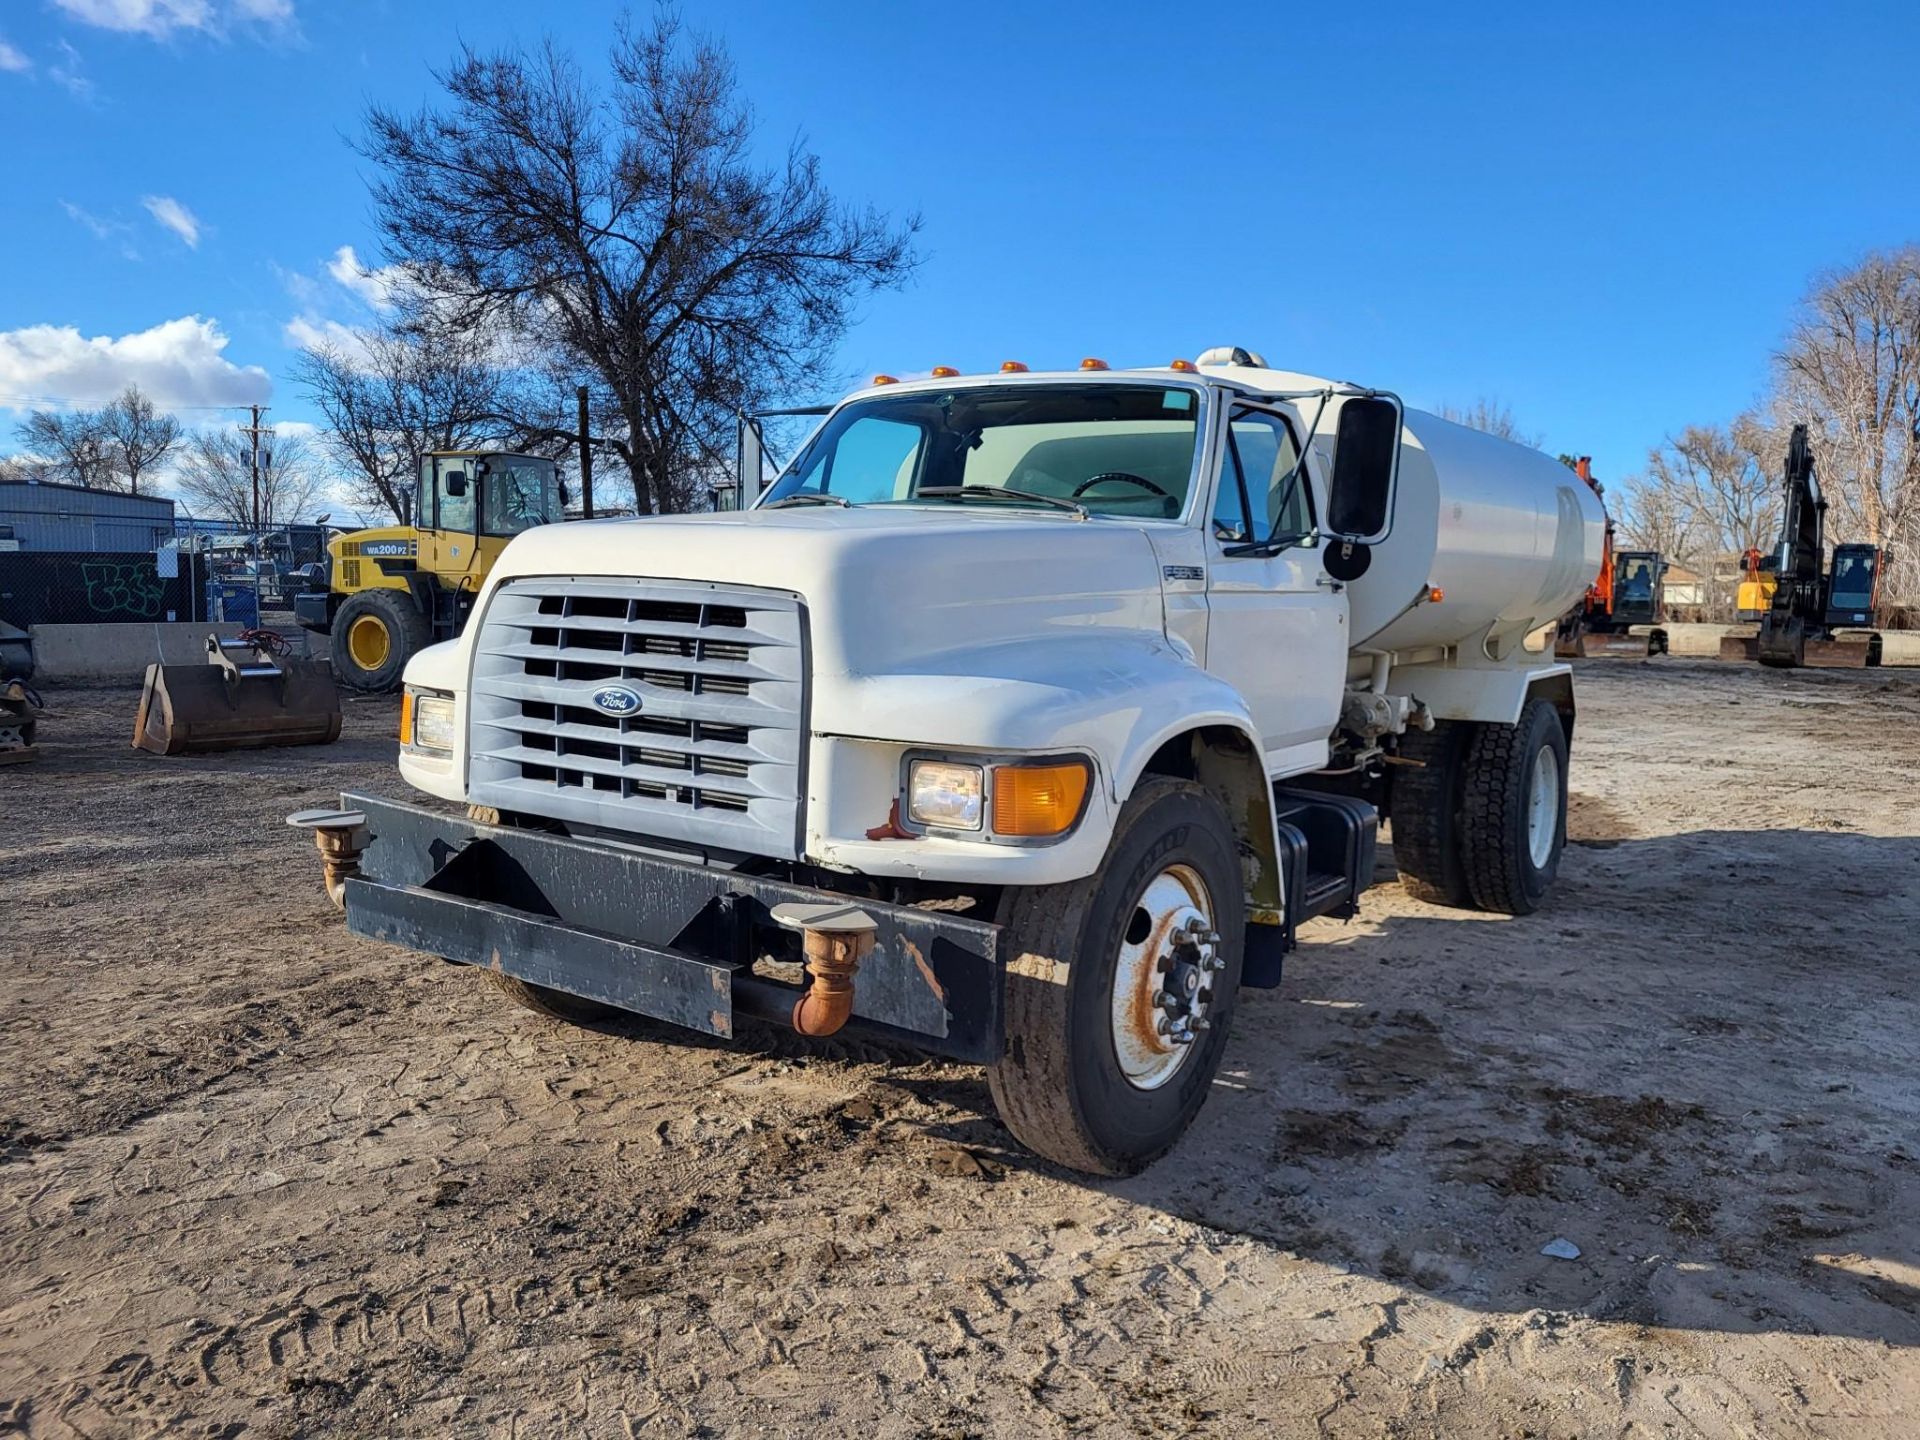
(264, 1179)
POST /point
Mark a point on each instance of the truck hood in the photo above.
(888, 590)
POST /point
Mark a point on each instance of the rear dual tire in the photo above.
(1483, 822)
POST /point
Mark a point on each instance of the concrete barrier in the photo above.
(106, 653)
(1897, 647)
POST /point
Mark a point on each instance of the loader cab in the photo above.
(392, 591)
(1853, 585)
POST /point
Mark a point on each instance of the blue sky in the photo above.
(1599, 216)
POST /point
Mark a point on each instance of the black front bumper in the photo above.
(659, 937)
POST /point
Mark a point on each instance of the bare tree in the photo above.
(1491, 416)
(1850, 368)
(403, 393)
(139, 436)
(215, 475)
(74, 444)
(626, 233)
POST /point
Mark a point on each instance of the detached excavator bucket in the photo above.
(1631, 647)
(1847, 650)
(1740, 647)
(243, 698)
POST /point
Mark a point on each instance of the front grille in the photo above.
(712, 756)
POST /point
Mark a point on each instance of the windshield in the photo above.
(520, 493)
(1115, 449)
(1853, 582)
(1636, 577)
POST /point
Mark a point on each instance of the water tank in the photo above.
(1509, 536)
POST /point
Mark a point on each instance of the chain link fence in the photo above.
(196, 571)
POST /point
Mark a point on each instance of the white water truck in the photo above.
(1023, 718)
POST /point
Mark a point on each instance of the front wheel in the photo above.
(1120, 987)
(375, 634)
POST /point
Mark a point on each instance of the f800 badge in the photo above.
(616, 700)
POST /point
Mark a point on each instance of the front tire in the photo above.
(1106, 973)
(375, 634)
(1514, 810)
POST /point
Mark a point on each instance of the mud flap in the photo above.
(243, 698)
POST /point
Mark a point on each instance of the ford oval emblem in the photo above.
(616, 700)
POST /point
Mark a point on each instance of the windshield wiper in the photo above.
(960, 492)
(809, 497)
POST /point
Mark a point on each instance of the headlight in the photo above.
(946, 796)
(426, 720)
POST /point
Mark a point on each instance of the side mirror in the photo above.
(456, 483)
(750, 459)
(724, 496)
(565, 499)
(1366, 460)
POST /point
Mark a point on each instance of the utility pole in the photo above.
(586, 457)
(256, 431)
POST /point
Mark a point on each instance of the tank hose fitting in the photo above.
(835, 939)
(340, 836)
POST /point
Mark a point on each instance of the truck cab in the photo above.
(1023, 717)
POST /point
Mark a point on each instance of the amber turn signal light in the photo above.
(406, 717)
(1038, 800)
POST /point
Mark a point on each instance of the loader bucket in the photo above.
(243, 698)
(1739, 647)
(1847, 650)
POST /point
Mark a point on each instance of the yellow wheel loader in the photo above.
(387, 592)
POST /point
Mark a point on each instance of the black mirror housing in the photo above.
(1366, 459)
(456, 483)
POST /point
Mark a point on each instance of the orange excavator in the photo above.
(1623, 608)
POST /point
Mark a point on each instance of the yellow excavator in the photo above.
(386, 593)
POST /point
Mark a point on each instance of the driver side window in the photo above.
(1263, 487)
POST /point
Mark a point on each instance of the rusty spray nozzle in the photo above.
(340, 836)
(836, 938)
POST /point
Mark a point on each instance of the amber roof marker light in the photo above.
(943, 372)
(885, 380)
(1092, 364)
(1184, 365)
(1013, 367)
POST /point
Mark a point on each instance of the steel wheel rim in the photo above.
(1178, 907)
(367, 643)
(1543, 807)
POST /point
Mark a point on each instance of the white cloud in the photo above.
(170, 213)
(309, 332)
(162, 17)
(373, 286)
(70, 74)
(13, 59)
(180, 363)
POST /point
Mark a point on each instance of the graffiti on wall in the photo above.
(123, 587)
